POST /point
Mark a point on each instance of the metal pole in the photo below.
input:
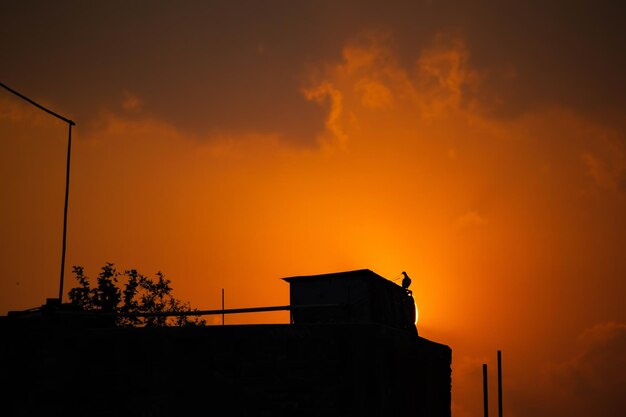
(222, 306)
(485, 399)
(499, 383)
(67, 193)
(67, 175)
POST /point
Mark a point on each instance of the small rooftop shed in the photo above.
(352, 296)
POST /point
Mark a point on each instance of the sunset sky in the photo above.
(478, 146)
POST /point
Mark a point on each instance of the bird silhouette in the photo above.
(406, 281)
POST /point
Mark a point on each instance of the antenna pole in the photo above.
(499, 383)
(485, 397)
(67, 175)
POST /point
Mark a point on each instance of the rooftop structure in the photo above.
(357, 296)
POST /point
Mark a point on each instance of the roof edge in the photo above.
(355, 272)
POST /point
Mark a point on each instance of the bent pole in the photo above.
(58, 116)
(67, 175)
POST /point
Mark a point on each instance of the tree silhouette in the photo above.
(126, 293)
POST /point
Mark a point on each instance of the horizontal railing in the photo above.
(59, 310)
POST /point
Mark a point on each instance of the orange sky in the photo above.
(294, 140)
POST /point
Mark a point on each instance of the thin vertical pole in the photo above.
(67, 193)
(485, 397)
(222, 306)
(499, 383)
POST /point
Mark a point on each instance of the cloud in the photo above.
(469, 219)
(131, 102)
(444, 74)
(326, 91)
(603, 354)
(370, 81)
(590, 382)
(373, 93)
(14, 110)
(606, 163)
(221, 67)
(593, 382)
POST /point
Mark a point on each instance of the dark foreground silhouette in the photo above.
(357, 356)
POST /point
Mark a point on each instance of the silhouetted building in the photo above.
(360, 296)
(348, 352)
